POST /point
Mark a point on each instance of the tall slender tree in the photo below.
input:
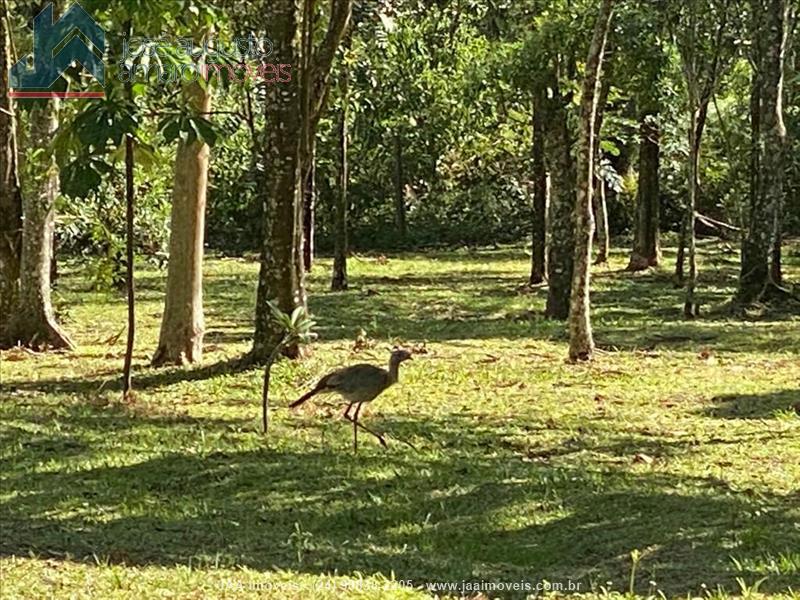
(759, 246)
(581, 342)
(599, 205)
(540, 188)
(339, 276)
(703, 33)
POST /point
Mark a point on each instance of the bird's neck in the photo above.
(394, 370)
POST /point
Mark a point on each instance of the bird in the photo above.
(357, 385)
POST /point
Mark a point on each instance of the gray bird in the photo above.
(359, 384)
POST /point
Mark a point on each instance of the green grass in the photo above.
(679, 445)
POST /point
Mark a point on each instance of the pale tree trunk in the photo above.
(33, 323)
(581, 342)
(10, 194)
(182, 325)
(599, 205)
(561, 222)
(761, 245)
(399, 184)
(540, 188)
(646, 244)
(339, 277)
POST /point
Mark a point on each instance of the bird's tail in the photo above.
(303, 398)
(321, 386)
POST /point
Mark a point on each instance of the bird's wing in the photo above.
(357, 378)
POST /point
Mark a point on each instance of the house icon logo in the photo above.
(57, 45)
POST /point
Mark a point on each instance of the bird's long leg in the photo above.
(356, 425)
(355, 429)
(346, 414)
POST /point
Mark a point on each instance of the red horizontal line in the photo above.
(18, 94)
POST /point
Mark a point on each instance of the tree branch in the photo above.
(324, 54)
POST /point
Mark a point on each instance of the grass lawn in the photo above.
(670, 465)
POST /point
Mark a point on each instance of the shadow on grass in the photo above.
(467, 507)
(754, 406)
(144, 378)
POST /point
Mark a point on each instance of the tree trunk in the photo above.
(10, 193)
(127, 387)
(399, 183)
(680, 259)
(601, 220)
(581, 342)
(690, 303)
(775, 268)
(540, 189)
(339, 278)
(761, 243)
(33, 323)
(646, 244)
(182, 325)
(292, 112)
(599, 204)
(560, 252)
(310, 205)
(279, 279)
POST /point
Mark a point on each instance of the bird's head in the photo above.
(401, 355)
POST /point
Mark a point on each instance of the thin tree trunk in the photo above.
(581, 341)
(540, 189)
(10, 193)
(265, 384)
(599, 205)
(127, 388)
(690, 302)
(339, 278)
(399, 183)
(646, 244)
(310, 206)
(601, 219)
(33, 323)
(680, 259)
(182, 324)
